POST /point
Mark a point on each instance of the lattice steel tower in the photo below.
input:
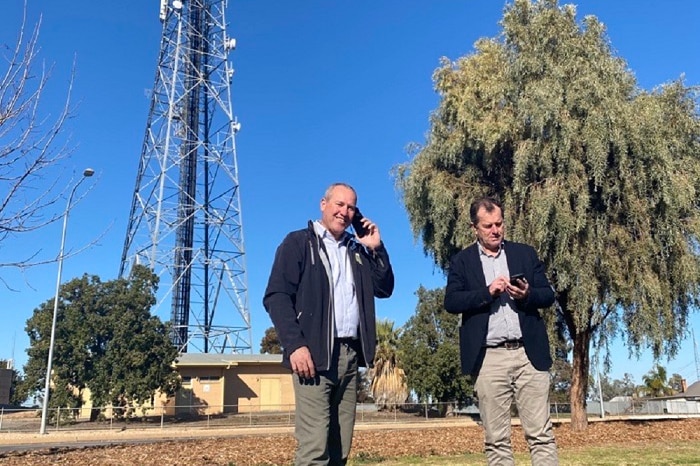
(185, 221)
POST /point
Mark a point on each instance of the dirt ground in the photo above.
(278, 449)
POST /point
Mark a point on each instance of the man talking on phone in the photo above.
(498, 288)
(320, 297)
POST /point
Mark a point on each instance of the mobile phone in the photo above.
(515, 277)
(360, 229)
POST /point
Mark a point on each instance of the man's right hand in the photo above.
(498, 286)
(302, 363)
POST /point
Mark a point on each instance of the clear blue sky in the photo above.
(325, 91)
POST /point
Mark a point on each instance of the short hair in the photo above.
(330, 189)
(488, 203)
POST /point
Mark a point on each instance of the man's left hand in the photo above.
(519, 292)
(372, 239)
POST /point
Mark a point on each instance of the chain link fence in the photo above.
(110, 418)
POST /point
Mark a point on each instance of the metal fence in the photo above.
(652, 406)
(213, 417)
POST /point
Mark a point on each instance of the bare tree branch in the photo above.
(32, 144)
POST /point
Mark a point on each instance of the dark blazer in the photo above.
(467, 294)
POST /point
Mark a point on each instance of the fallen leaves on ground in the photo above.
(257, 450)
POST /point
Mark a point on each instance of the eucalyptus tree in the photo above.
(388, 380)
(106, 341)
(611, 388)
(429, 351)
(601, 176)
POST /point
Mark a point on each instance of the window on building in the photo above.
(209, 378)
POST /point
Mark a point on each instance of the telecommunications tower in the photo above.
(185, 221)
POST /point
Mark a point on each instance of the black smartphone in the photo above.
(360, 229)
(515, 277)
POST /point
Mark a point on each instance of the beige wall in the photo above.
(239, 389)
(262, 388)
(216, 389)
(203, 387)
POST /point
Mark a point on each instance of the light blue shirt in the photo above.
(346, 312)
(504, 323)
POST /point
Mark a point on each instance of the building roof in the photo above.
(224, 360)
(692, 390)
(690, 393)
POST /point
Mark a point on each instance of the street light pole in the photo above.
(88, 172)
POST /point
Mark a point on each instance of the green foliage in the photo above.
(624, 387)
(561, 372)
(612, 388)
(655, 383)
(602, 177)
(560, 379)
(106, 340)
(429, 349)
(270, 343)
(676, 384)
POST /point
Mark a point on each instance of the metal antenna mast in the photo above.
(185, 221)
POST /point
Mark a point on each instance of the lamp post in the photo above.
(88, 172)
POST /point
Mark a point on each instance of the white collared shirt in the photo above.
(504, 323)
(346, 311)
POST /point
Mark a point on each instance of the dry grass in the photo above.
(607, 441)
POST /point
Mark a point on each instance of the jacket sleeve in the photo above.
(382, 273)
(461, 295)
(281, 293)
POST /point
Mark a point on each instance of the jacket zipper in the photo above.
(323, 257)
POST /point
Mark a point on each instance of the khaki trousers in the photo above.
(507, 376)
(325, 411)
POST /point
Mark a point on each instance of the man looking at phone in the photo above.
(320, 297)
(498, 287)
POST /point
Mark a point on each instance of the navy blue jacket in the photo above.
(299, 300)
(467, 294)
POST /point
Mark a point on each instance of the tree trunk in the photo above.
(579, 380)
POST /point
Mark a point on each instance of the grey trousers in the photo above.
(325, 411)
(507, 376)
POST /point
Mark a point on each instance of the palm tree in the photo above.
(655, 382)
(388, 387)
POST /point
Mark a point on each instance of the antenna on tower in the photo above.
(185, 221)
(163, 10)
(11, 362)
